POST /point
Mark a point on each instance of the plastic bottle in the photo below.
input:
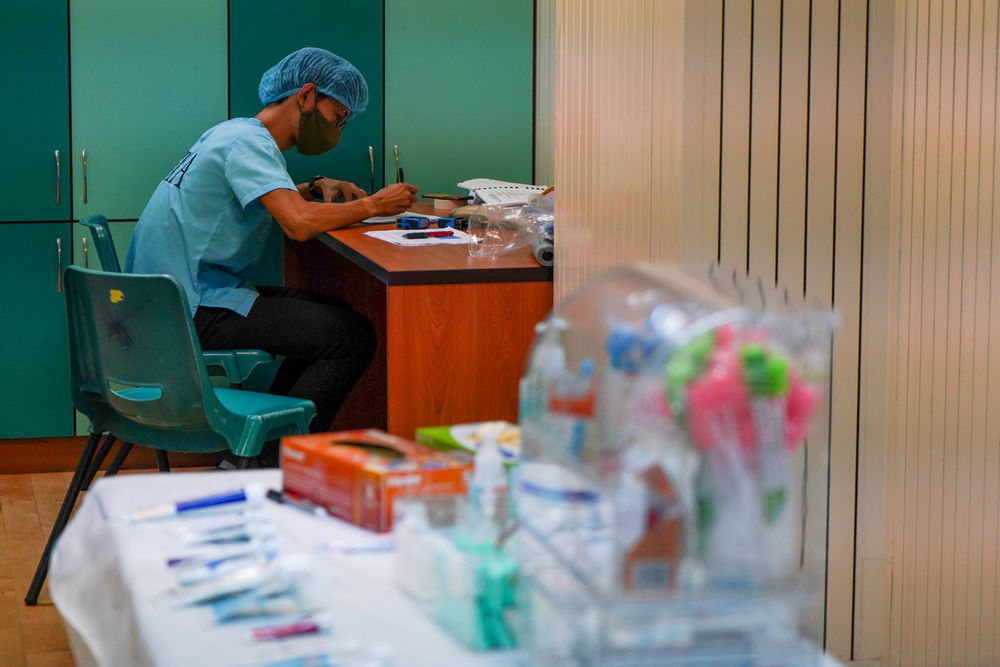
(489, 478)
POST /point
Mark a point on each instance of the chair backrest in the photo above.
(133, 348)
(100, 232)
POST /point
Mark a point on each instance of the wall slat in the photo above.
(737, 34)
(846, 284)
(987, 362)
(793, 145)
(765, 116)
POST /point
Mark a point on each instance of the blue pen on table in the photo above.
(251, 494)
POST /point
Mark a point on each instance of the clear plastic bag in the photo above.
(497, 230)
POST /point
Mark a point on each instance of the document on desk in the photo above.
(395, 236)
(383, 219)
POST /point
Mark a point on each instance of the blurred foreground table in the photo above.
(109, 581)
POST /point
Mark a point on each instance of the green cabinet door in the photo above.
(258, 39)
(148, 80)
(459, 81)
(34, 69)
(34, 353)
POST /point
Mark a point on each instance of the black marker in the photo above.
(429, 235)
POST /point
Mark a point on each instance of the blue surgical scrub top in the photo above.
(204, 224)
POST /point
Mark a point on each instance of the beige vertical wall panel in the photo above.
(891, 216)
(619, 74)
(941, 450)
(545, 93)
(765, 124)
(737, 30)
(905, 437)
(970, 477)
(955, 513)
(669, 235)
(846, 255)
(872, 587)
(699, 228)
(984, 582)
(793, 147)
(821, 164)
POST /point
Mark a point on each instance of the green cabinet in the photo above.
(148, 79)
(34, 352)
(459, 81)
(34, 68)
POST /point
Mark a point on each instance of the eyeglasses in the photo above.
(342, 120)
(338, 107)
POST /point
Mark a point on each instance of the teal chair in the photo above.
(238, 366)
(255, 368)
(137, 373)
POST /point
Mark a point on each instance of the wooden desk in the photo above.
(454, 332)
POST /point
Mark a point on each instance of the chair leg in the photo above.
(161, 461)
(116, 463)
(95, 463)
(62, 518)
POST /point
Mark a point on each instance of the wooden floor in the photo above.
(30, 496)
(28, 506)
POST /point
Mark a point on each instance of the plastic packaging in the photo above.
(668, 509)
(497, 230)
(220, 567)
(255, 529)
(273, 577)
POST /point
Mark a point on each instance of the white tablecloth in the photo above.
(109, 581)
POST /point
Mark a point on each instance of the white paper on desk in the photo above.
(383, 219)
(498, 193)
(395, 236)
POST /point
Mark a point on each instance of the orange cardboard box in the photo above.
(356, 475)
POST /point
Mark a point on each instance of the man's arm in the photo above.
(301, 220)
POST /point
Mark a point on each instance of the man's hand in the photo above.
(333, 189)
(394, 198)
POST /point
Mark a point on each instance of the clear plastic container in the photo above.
(669, 504)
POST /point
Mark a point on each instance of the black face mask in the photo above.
(316, 134)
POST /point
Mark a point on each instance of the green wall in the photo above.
(459, 81)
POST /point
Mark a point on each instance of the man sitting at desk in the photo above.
(207, 222)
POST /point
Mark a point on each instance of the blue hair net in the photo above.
(333, 76)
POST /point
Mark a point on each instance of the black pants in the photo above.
(326, 344)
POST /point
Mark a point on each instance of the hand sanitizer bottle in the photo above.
(489, 479)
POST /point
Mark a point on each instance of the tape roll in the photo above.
(543, 250)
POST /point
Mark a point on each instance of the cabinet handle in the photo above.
(84, 154)
(86, 264)
(58, 177)
(59, 265)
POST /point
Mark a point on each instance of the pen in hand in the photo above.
(399, 170)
